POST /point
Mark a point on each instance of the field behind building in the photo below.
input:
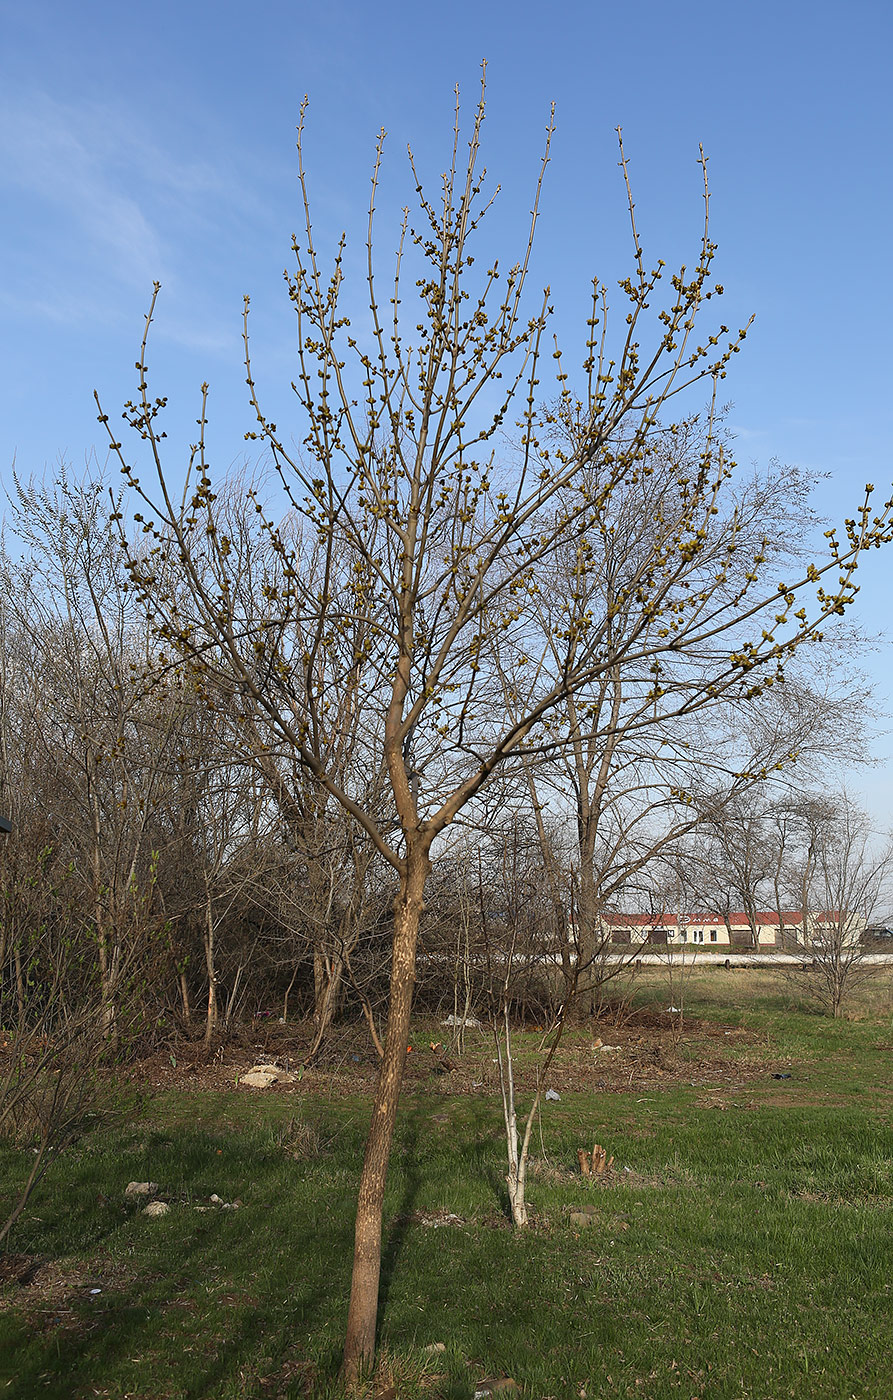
(739, 1246)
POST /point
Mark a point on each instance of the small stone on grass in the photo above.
(155, 1208)
(139, 1190)
(585, 1217)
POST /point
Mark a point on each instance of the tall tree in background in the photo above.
(645, 770)
(401, 584)
(103, 743)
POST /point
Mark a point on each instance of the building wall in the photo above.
(706, 933)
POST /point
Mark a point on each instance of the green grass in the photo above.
(745, 1253)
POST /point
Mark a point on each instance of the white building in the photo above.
(761, 929)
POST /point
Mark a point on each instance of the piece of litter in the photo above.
(216, 1199)
(674, 1008)
(433, 1348)
(95, 1290)
(553, 1096)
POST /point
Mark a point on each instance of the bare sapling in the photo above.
(525, 945)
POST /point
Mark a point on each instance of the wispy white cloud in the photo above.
(64, 157)
(744, 434)
(62, 307)
(216, 341)
(98, 203)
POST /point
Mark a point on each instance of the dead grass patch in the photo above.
(54, 1293)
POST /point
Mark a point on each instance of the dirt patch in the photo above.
(647, 1052)
(56, 1293)
(433, 1219)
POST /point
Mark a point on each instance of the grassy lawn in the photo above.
(741, 1246)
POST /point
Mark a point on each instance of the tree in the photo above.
(524, 883)
(207, 822)
(843, 877)
(644, 773)
(334, 893)
(731, 861)
(101, 744)
(417, 539)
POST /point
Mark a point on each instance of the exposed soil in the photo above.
(57, 1293)
(648, 1051)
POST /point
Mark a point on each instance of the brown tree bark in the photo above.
(359, 1345)
(212, 1016)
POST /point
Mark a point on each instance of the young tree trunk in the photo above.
(20, 987)
(359, 1345)
(588, 932)
(837, 986)
(211, 967)
(516, 1177)
(109, 963)
(328, 981)
(517, 1184)
(288, 992)
(184, 996)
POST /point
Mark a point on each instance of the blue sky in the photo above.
(158, 142)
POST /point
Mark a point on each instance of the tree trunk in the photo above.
(20, 988)
(359, 1345)
(109, 962)
(837, 980)
(288, 993)
(516, 1177)
(184, 996)
(588, 931)
(328, 981)
(517, 1192)
(211, 967)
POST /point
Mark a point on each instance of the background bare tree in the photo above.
(101, 742)
(842, 873)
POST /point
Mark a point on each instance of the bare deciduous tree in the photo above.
(843, 876)
(101, 743)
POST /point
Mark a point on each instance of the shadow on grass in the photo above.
(215, 1303)
(206, 1302)
(411, 1169)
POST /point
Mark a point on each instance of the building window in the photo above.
(698, 935)
(713, 935)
